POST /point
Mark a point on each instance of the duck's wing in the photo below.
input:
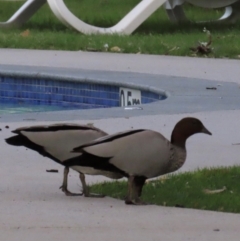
(55, 140)
(57, 127)
(106, 139)
(136, 152)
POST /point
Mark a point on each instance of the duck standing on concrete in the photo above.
(56, 142)
(139, 154)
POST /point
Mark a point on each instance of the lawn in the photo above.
(157, 35)
(215, 189)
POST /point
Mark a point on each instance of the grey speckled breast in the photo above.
(177, 158)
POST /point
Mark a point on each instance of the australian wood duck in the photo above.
(139, 154)
(56, 142)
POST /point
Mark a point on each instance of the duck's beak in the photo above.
(206, 131)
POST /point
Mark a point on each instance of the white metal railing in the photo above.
(129, 22)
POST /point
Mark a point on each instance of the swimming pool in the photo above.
(26, 94)
(8, 108)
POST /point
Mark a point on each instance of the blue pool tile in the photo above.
(65, 93)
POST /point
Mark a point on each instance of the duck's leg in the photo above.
(86, 191)
(139, 181)
(135, 185)
(65, 184)
(129, 199)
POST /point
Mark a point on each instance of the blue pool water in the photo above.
(25, 94)
(8, 108)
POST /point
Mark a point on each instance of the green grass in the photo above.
(157, 35)
(186, 190)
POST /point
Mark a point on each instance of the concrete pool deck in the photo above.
(32, 207)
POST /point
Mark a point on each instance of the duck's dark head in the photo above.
(185, 128)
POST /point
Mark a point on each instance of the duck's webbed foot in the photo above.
(68, 193)
(135, 202)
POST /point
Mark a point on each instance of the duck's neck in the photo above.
(177, 139)
(177, 158)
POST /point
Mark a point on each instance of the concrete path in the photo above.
(203, 68)
(33, 208)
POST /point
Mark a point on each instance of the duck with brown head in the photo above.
(185, 128)
(139, 154)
